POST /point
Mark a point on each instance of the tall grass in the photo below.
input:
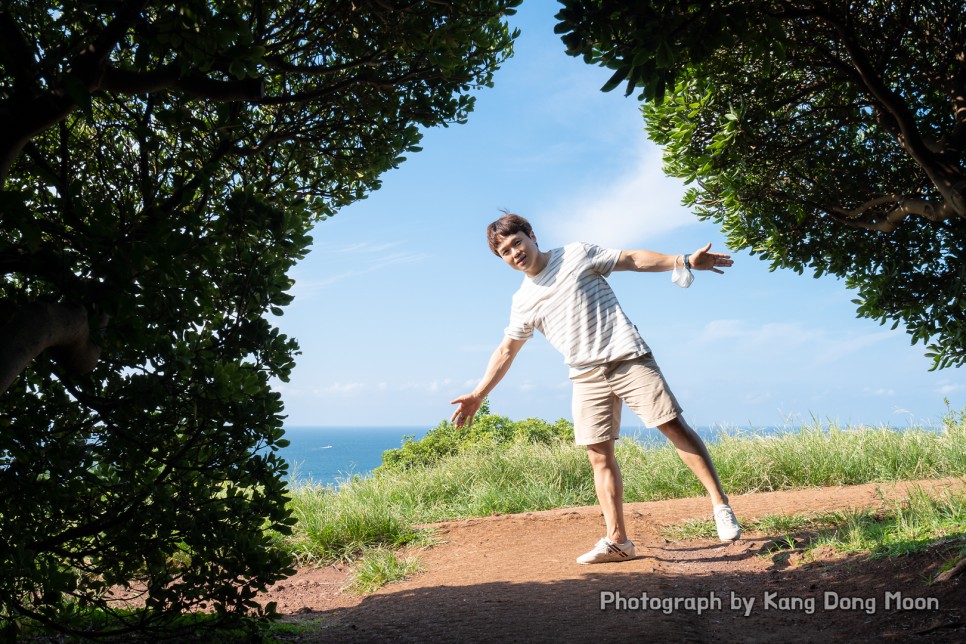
(898, 527)
(813, 456)
(906, 527)
(518, 477)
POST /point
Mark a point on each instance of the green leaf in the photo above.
(616, 79)
(77, 92)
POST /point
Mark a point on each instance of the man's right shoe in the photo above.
(606, 550)
(725, 521)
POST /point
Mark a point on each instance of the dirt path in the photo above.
(513, 578)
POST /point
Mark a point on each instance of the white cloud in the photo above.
(430, 387)
(365, 258)
(946, 388)
(630, 210)
(477, 348)
(817, 345)
(758, 397)
(880, 391)
(837, 348)
(365, 247)
(331, 390)
(340, 389)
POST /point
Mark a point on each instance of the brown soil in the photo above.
(513, 578)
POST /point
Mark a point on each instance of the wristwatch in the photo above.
(687, 261)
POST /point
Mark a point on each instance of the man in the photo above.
(565, 296)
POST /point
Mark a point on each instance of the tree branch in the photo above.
(125, 18)
(37, 327)
(43, 264)
(957, 137)
(15, 53)
(958, 569)
(123, 81)
(26, 115)
(895, 107)
(281, 64)
(905, 207)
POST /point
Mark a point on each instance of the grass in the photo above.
(367, 520)
(908, 527)
(774, 524)
(385, 511)
(380, 566)
(811, 457)
(336, 525)
(903, 527)
(90, 623)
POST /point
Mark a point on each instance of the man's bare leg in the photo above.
(610, 488)
(695, 455)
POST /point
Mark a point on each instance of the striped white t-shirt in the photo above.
(572, 304)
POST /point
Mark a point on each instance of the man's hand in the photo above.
(703, 260)
(468, 406)
(499, 363)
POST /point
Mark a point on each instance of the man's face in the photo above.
(519, 250)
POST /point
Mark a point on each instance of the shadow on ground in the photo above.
(852, 599)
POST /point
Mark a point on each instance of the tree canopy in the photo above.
(161, 165)
(828, 136)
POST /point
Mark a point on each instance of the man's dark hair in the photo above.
(507, 225)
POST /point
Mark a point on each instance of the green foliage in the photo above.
(954, 421)
(810, 143)
(485, 478)
(900, 527)
(338, 525)
(906, 527)
(647, 43)
(487, 430)
(827, 456)
(381, 566)
(335, 526)
(161, 166)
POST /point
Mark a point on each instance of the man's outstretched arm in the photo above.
(499, 364)
(646, 260)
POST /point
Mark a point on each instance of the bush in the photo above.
(487, 429)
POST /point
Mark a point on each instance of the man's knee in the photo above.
(674, 427)
(600, 454)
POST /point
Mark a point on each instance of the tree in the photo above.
(824, 135)
(161, 165)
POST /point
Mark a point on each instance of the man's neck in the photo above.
(541, 263)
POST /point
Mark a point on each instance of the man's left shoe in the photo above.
(727, 524)
(606, 550)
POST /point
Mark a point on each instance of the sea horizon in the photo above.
(332, 454)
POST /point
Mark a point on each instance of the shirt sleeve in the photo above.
(519, 328)
(602, 260)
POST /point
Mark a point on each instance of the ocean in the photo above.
(329, 455)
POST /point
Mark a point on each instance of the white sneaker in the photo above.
(607, 550)
(727, 524)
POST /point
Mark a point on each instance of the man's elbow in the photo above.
(628, 261)
(509, 348)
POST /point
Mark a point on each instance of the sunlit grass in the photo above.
(380, 566)
(908, 526)
(772, 524)
(387, 510)
(901, 527)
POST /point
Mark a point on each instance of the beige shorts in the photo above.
(598, 394)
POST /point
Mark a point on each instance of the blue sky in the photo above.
(400, 303)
